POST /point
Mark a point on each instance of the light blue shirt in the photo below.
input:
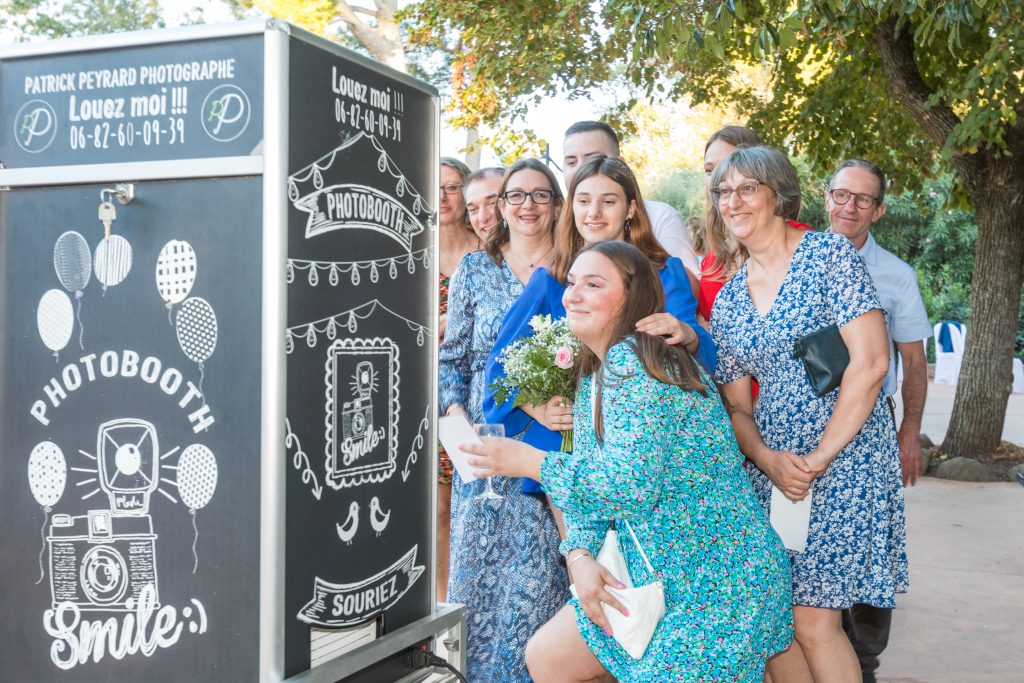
(905, 316)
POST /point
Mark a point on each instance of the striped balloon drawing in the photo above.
(113, 260)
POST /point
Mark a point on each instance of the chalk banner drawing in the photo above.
(333, 192)
(336, 605)
(104, 583)
(361, 411)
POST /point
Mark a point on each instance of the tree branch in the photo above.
(906, 84)
(908, 87)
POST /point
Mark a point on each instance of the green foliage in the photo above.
(683, 189)
(51, 19)
(507, 56)
(830, 97)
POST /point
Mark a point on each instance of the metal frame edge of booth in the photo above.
(274, 365)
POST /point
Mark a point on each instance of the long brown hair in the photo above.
(727, 253)
(499, 236)
(639, 232)
(664, 362)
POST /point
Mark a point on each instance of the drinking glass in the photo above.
(494, 431)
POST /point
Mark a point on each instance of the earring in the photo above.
(504, 224)
(627, 227)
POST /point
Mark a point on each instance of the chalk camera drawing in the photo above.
(101, 560)
(127, 452)
(362, 407)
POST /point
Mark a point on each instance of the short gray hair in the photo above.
(457, 166)
(869, 166)
(769, 167)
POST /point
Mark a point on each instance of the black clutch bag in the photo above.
(825, 358)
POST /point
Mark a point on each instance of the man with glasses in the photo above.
(855, 200)
(585, 139)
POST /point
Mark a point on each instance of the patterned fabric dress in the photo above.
(444, 463)
(504, 561)
(856, 546)
(670, 466)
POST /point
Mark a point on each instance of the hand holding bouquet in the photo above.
(540, 367)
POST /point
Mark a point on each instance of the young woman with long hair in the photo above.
(653, 448)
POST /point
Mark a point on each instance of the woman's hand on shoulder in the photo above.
(555, 414)
(667, 325)
(592, 581)
(790, 474)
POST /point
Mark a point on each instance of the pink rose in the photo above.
(563, 358)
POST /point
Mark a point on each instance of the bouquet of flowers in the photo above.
(540, 367)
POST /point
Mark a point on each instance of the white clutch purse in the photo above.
(646, 604)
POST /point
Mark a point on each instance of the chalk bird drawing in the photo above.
(378, 521)
(348, 530)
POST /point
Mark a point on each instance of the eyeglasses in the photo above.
(452, 188)
(746, 191)
(863, 201)
(538, 196)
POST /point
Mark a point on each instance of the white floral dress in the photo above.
(856, 546)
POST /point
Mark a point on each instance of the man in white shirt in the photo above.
(585, 139)
(855, 200)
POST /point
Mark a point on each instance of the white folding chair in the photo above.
(947, 363)
(1018, 376)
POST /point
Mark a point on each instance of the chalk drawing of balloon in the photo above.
(113, 260)
(47, 476)
(175, 272)
(55, 319)
(196, 327)
(197, 480)
(72, 260)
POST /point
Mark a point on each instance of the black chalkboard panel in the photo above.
(182, 100)
(361, 340)
(130, 413)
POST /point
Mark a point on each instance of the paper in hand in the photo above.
(791, 520)
(452, 431)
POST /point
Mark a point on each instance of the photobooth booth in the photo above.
(218, 302)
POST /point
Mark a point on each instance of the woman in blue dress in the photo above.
(504, 561)
(840, 448)
(654, 448)
(604, 204)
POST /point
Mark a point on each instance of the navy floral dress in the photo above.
(856, 545)
(671, 467)
(504, 562)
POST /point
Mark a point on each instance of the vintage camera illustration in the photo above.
(102, 560)
(361, 416)
(357, 414)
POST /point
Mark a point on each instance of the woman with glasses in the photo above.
(604, 204)
(456, 239)
(505, 565)
(840, 449)
(724, 255)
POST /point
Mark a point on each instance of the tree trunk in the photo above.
(473, 149)
(979, 410)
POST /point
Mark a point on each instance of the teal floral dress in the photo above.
(671, 466)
